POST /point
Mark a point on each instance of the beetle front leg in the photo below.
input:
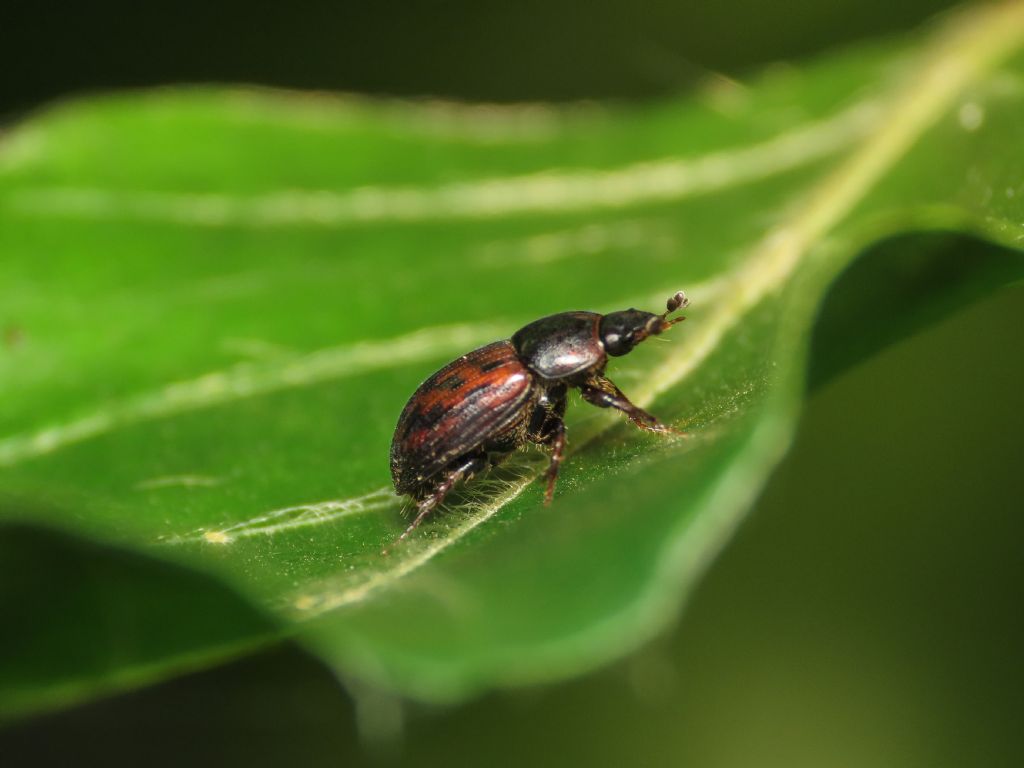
(603, 393)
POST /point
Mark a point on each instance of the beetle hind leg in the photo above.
(462, 470)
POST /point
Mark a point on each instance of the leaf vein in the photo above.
(544, 192)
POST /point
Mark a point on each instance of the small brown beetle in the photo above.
(476, 410)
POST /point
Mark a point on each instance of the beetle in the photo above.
(476, 410)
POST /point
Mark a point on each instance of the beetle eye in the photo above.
(618, 344)
(617, 333)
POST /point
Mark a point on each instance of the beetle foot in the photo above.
(549, 492)
(651, 424)
(422, 510)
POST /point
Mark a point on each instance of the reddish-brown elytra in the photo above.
(476, 410)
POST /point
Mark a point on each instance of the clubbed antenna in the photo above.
(678, 300)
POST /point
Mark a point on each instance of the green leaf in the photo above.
(215, 303)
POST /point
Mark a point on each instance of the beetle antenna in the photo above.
(678, 300)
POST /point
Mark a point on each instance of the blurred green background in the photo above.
(868, 613)
(490, 51)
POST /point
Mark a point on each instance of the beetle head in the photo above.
(621, 331)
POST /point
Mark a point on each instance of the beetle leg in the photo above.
(603, 393)
(547, 428)
(424, 506)
(557, 440)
